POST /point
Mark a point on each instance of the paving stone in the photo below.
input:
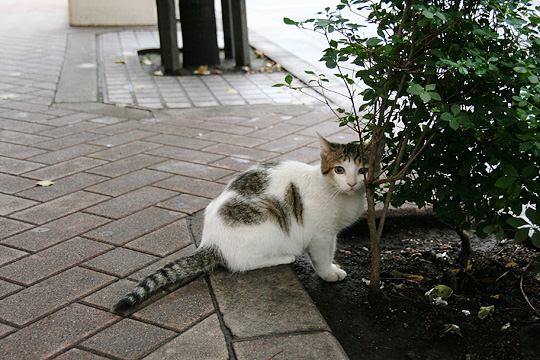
(54, 232)
(311, 118)
(70, 129)
(185, 154)
(125, 183)
(9, 204)
(141, 274)
(8, 254)
(127, 165)
(286, 143)
(15, 166)
(76, 354)
(241, 152)
(72, 152)
(123, 138)
(193, 299)
(67, 141)
(10, 184)
(7, 288)
(62, 329)
(192, 186)
(236, 163)
(64, 169)
(122, 151)
(304, 154)
(129, 203)
(191, 169)
(71, 119)
(23, 126)
(266, 301)
(27, 116)
(21, 138)
(167, 128)
(222, 127)
(18, 151)
(314, 346)
(185, 203)
(62, 187)
(52, 260)
(128, 339)
(180, 141)
(276, 131)
(118, 128)
(204, 341)
(9, 227)
(4, 330)
(233, 139)
(50, 294)
(120, 262)
(59, 207)
(164, 241)
(121, 231)
(324, 128)
(109, 295)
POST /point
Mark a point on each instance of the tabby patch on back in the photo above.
(272, 213)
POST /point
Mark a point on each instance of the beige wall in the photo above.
(112, 12)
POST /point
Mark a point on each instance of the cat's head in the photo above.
(343, 164)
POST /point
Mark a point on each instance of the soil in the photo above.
(404, 324)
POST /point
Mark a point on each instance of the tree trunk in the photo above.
(199, 34)
(466, 248)
(374, 248)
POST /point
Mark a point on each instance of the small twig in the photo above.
(276, 354)
(523, 291)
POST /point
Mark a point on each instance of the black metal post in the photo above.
(168, 37)
(199, 33)
(228, 38)
(240, 32)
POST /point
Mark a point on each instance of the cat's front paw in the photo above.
(334, 273)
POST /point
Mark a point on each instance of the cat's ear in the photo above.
(326, 146)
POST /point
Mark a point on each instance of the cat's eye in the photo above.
(362, 171)
(339, 169)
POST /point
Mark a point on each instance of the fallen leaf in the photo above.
(439, 301)
(485, 311)
(231, 91)
(245, 68)
(451, 329)
(400, 275)
(158, 73)
(119, 61)
(259, 53)
(146, 61)
(202, 70)
(217, 71)
(442, 291)
(365, 281)
(45, 183)
(511, 264)
(505, 326)
(466, 312)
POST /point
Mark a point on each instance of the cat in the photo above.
(272, 213)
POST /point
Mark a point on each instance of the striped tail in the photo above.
(203, 260)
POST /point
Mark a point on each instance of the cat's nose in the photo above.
(351, 184)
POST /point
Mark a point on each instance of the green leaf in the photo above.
(373, 41)
(505, 182)
(441, 16)
(288, 79)
(447, 116)
(533, 79)
(435, 96)
(279, 85)
(454, 123)
(288, 21)
(427, 14)
(430, 87)
(425, 97)
(516, 222)
(509, 170)
(521, 235)
(536, 239)
(455, 109)
(415, 89)
(520, 70)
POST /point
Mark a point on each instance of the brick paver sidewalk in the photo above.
(129, 189)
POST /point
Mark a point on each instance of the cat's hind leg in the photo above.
(321, 252)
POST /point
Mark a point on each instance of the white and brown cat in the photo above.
(272, 213)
